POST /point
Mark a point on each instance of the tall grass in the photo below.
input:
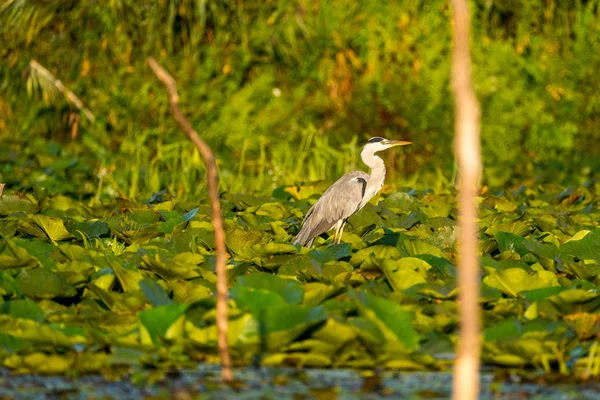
(287, 91)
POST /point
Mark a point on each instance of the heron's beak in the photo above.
(393, 143)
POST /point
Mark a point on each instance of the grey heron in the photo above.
(347, 195)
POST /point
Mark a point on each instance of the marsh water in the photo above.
(279, 383)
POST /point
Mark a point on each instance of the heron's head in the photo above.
(376, 144)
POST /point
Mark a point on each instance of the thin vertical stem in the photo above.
(468, 154)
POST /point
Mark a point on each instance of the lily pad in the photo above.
(43, 283)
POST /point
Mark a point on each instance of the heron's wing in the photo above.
(340, 201)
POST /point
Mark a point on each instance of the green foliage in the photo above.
(106, 253)
(264, 81)
(134, 295)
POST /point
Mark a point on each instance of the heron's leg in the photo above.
(338, 226)
(341, 231)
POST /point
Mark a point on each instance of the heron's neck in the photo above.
(374, 162)
(376, 177)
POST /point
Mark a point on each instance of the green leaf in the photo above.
(128, 278)
(512, 281)
(418, 247)
(40, 250)
(38, 334)
(518, 228)
(542, 293)
(289, 316)
(155, 293)
(21, 257)
(405, 272)
(255, 300)
(172, 219)
(291, 291)
(587, 248)
(510, 242)
(541, 249)
(332, 253)
(22, 309)
(507, 329)
(88, 230)
(16, 203)
(43, 283)
(157, 321)
(11, 344)
(53, 227)
(401, 202)
(394, 318)
(368, 255)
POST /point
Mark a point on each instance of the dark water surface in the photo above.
(278, 383)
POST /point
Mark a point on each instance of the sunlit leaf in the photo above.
(512, 281)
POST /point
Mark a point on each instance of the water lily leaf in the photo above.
(38, 249)
(144, 217)
(372, 253)
(22, 309)
(365, 218)
(512, 281)
(276, 211)
(8, 228)
(302, 267)
(389, 315)
(21, 258)
(255, 300)
(87, 230)
(40, 363)
(299, 360)
(401, 201)
(191, 259)
(291, 291)
(169, 269)
(173, 219)
(442, 268)
(11, 344)
(239, 239)
(518, 228)
(156, 322)
(8, 262)
(128, 278)
(587, 248)
(119, 303)
(542, 293)
(43, 283)
(541, 249)
(405, 272)
(334, 268)
(418, 247)
(507, 329)
(510, 242)
(332, 253)
(264, 254)
(582, 270)
(36, 333)
(437, 205)
(288, 316)
(53, 227)
(316, 293)
(155, 293)
(504, 205)
(189, 292)
(16, 203)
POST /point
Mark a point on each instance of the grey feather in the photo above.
(339, 202)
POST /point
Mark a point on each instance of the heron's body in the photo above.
(346, 196)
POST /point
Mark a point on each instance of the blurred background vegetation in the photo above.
(286, 91)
